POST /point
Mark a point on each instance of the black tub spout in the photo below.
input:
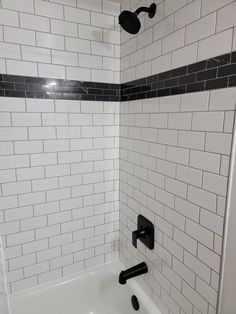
(132, 272)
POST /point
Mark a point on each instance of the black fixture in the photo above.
(130, 22)
(132, 272)
(145, 233)
(135, 302)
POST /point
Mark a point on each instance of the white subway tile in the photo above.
(46, 208)
(54, 119)
(57, 170)
(7, 176)
(77, 15)
(35, 246)
(24, 5)
(187, 209)
(33, 22)
(16, 188)
(199, 268)
(59, 194)
(50, 41)
(66, 106)
(9, 17)
(188, 14)
(194, 298)
(222, 99)
(47, 232)
(185, 241)
(170, 7)
(36, 54)
(209, 258)
(19, 36)
(189, 175)
(204, 161)
(50, 70)
(102, 49)
(215, 45)
(39, 105)
(161, 64)
(102, 20)
(202, 198)
(78, 74)
(64, 28)
(20, 238)
(210, 6)
(184, 56)
(199, 233)
(39, 133)
(208, 121)
(24, 284)
(43, 159)
(48, 9)
(33, 223)
(21, 68)
(30, 173)
(64, 58)
(215, 183)
(211, 221)
(44, 184)
(173, 41)
(56, 145)
(200, 29)
(26, 119)
(31, 198)
(7, 162)
(68, 132)
(86, 60)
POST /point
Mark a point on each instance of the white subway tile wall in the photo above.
(59, 187)
(174, 166)
(60, 39)
(181, 33)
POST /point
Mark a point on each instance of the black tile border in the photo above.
(214, 73)
(49, 88)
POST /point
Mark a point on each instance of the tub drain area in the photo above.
(135, 302)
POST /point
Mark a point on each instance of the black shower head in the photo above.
(130, 22)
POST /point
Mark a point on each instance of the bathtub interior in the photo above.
(96, 291)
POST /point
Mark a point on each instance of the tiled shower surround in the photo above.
(76, 172)
(65, 39)
(174, 163)
(59, 170)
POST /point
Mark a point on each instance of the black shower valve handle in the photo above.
(138, 234)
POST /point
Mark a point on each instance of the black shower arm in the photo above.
(143, 9)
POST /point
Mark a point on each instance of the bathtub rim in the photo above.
(109, 267)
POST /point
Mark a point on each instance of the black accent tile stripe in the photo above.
(218, 72)
(46, 88)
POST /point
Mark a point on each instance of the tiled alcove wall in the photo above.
(76, 40)
(182, 32)
(174, 162)
(58, 159)
(174, 154)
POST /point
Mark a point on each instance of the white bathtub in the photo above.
(95, 291)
